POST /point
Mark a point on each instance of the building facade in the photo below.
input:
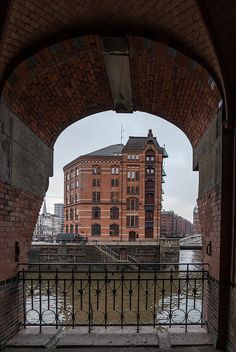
(59, 211)
(115, 193)
(47, 227)
(173, 225)
(196, 221)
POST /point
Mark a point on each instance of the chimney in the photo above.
(150, 135)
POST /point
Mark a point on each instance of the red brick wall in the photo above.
(18, 214)
(11, 309)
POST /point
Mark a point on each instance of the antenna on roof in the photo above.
(121, 134)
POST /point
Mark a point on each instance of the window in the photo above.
(66, 214)
(68, 187)
(96, 182)
(149, 198)
(150, 184)
(114, 213)
(72, 185)
(132, 221)
(96, 170)
(67, 200)
(77, 172)
(96, 230)
(96, 213)
(77, 184)
(115, 170)
(150, 171)
(114, 182)
(76, 228)
(96, 197)
(149, 232)
(67, 176)
(114, 230)
(71, 229)
(150, 156)
(115, 197)
(71, 214)
(76, 214)
(76, 197)
(72, 174)
(149, 215)
(133, 157)
(132, 190)
(67, 229)
(132, 204)
(133, 176)
(72, 198)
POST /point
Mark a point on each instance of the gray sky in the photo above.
(100, 130)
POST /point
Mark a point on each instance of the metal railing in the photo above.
(113, 295)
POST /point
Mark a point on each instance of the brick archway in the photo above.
(77, 77)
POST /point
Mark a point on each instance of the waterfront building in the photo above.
(173, 225)
(115, 193)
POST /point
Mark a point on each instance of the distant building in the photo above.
(173, 225)
(115, 193)
(196, 221)
(47, 227)
(59, 211)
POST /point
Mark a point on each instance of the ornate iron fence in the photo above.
(114, 295)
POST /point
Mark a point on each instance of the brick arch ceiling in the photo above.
(24, 24)
(68, 81)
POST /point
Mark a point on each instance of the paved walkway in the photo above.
(116, 349)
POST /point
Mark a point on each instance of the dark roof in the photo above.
(136, 143)
(111, 150)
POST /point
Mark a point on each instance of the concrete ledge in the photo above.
(163, 338)
(31, 337)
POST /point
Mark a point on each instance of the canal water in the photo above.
(117, 298)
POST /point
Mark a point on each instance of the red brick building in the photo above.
(173, 225)
(115, 193)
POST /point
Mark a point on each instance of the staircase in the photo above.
(113, 255)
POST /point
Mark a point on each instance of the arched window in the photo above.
(76, 228)
(67, 229)
(76, 214)
(71, 214)
(71, 229)
(96, 229)
(114, 230)
(132, 204)
(150, 171)
(114, 213)
(96, 213)
(96, 170)
(66, 214)
(115, 170)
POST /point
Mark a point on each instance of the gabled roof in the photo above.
(137, 143)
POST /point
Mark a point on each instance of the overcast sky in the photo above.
(103, 129)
